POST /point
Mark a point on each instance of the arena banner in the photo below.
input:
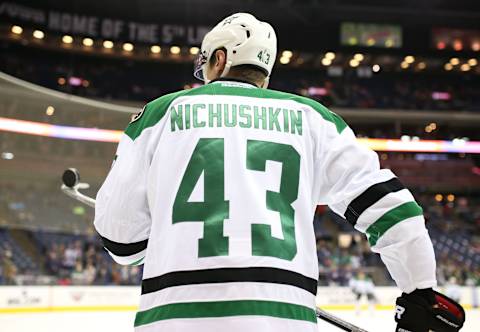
(102, 27)
(24, 299)
(97, 296)
(17, 298)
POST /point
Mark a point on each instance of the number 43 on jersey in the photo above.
(208, 158)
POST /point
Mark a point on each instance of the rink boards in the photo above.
(16, 299)
(100, 308)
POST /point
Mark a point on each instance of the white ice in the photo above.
(101, 321)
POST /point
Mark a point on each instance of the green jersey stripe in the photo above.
(391, 218)
(225, 309)
(156, 109)
(151, 114)
(137, 262)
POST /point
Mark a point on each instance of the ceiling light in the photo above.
(50, 110)
(354, 63)
(128, 47)
(421, 65)
(404, 65)
(465, 67)
(472, 62)
(7, 155)
(326, 62)
(454, 61)
(155, 49)
(409, 59)
(38, 34)
(376, 68)
(194, 50)
(284, 60)
(17, 29)
(287, 54)
(67, 39)
(330, 55)
(359, 57)
(175, 50)
(108, 44)
(448, 66)
(87, 42)
(441, 45)
(457, 45)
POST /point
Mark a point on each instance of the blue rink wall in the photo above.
(99, 308)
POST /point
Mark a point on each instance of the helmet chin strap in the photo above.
(226, 69)
(265, 82)
(206, 80)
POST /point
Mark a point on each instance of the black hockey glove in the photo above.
(426, 310)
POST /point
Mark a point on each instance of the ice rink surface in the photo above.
(101, 321)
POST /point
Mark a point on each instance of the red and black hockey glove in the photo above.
(425, 310)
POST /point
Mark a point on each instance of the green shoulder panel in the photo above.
(156, 109)
(325, 113)
(151, 114)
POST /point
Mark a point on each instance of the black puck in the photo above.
(71, 177)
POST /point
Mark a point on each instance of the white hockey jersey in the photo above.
(214, 191)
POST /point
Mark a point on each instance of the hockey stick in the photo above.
(340, 323)
(71, 185)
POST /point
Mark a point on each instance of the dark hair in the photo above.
(248, 73)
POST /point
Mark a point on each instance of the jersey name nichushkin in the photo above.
(188, 116)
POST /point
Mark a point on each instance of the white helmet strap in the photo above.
(265, 82)
(226, 69)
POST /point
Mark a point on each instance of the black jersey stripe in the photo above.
(236, 274)
(124, 249)
(369, 197)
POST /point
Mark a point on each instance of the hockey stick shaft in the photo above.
(75, 194)
(340, 323)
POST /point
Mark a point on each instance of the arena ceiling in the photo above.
(461, 13)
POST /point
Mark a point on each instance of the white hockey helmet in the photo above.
(247, 41)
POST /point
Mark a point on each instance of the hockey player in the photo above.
(214, 189)
(362, 286)
(452, 289)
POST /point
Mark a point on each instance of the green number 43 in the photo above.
(208, 158)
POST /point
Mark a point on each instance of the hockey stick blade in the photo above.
(340, 323)
(75, 194)
(71, 185)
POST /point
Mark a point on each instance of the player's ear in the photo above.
(220, 61)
